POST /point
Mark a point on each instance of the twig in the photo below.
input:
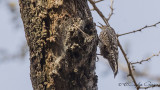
(111, 7)
(151, 86)
(147, 59)
(129, 66)
(154, 25)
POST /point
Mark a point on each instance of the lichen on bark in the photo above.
(62, 41)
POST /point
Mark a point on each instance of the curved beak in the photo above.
(100, 26)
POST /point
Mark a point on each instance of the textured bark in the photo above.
(62, 41)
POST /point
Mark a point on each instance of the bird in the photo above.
(108, 44)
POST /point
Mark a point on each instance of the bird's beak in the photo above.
(100, 26)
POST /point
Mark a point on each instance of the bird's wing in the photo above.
(113, 42)
(104, 39)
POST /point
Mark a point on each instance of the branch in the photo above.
(99, 12)
(95, 3)
(124, 54)
(154, 25)
(98, 1)
(140, 74)
(147, 59)
(129, 66)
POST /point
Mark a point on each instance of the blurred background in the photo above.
(128, 15)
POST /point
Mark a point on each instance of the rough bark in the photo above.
(62, 42)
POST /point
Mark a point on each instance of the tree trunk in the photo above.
(62, 40)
